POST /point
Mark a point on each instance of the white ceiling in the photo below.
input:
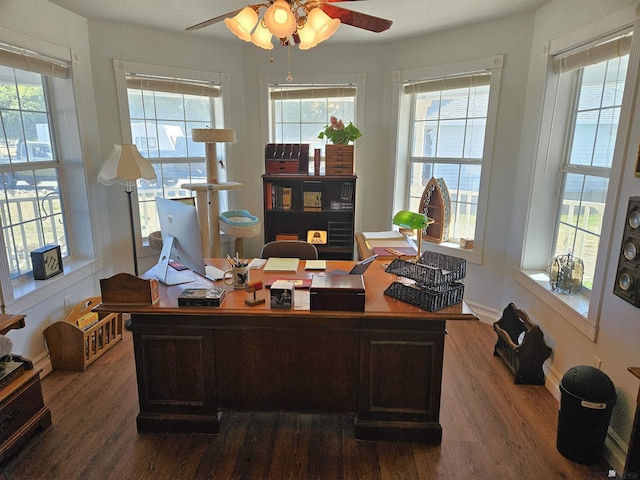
(410, 17)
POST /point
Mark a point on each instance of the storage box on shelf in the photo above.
(435, 281)
(286, 158)
(83, 336)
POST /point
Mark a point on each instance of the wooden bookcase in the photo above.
(297, 204)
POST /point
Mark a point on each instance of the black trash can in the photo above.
(587, 400)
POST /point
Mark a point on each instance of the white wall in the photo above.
(617, 341)
(491, 285)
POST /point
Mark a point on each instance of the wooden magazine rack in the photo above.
(521, 346)
(83, 336)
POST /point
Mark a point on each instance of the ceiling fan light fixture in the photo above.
(323, 24)
(280, 20)
(308, 37)
(243, 23)
(261, 37)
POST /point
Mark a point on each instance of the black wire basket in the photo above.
(432, 269)
(427, 298)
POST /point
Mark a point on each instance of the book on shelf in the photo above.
(203, 297)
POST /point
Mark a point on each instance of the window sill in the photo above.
(572, 308)
(29, 292)
(454, 249)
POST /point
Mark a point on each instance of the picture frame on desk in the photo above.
(347, 192)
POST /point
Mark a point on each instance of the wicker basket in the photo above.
(433, 269)
(427, 298)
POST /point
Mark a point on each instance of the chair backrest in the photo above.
(289, 249)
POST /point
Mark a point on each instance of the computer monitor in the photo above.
(180, 242)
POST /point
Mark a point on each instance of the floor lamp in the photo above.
(125, 165)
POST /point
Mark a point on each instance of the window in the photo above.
(300, 112)
(583, 133)
(162, 106)
(590, 141)
(31, 195)
(447, 115)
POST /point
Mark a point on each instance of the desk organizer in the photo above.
(82, 337)
(436, 278)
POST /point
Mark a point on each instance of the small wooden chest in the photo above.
(339, 159)
(337, 292)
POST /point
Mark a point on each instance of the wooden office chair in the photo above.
(290, 249)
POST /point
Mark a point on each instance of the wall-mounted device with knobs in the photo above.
(627, 284)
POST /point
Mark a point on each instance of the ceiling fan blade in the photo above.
(211, 21)
(357, 19)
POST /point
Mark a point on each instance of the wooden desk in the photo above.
(384, 364)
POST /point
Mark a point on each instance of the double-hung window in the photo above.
(447, 115)
(586, 112)
(300, 112)
(595, 81)
(31, 196)
(159, 107)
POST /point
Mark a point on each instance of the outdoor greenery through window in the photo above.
(448, 127)
(300, 112)
(162, 113)
(590, 144)
(32, 207)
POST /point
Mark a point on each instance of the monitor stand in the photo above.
(164, 272)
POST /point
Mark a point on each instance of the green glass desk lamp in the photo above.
(414, 221)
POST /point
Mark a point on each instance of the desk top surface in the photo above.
(376, 280)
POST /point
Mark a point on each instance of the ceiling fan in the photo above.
(309, 22)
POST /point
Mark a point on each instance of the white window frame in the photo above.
(121, 69)
(24, 292)
(403, 110)
(583, 309)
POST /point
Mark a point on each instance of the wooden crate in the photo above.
(72, 347)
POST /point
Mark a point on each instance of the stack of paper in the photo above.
(276, 264)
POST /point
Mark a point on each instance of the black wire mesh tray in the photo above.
(427, 298)
(432, 269)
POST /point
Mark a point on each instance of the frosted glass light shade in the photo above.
(323, 24)
(242, 24)
(213, 135)
(280, 20)
(125, 165)
(308, 37)
(261, 37)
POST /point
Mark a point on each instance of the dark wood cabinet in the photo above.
(22, 409)
(294, 205)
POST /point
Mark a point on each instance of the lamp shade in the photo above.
(213, 135)
(261, 37)
(308, 37)
(242, 24)
(412, 220)
(125, 165)
(280, 20)
(323, 24)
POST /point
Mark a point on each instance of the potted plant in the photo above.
(339, 153)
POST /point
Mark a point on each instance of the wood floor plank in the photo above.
(492, 429)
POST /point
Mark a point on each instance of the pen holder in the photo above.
(237, 276)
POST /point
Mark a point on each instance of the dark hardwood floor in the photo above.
(492, 429)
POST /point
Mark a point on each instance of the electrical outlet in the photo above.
(597, 362)
(67, 303)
